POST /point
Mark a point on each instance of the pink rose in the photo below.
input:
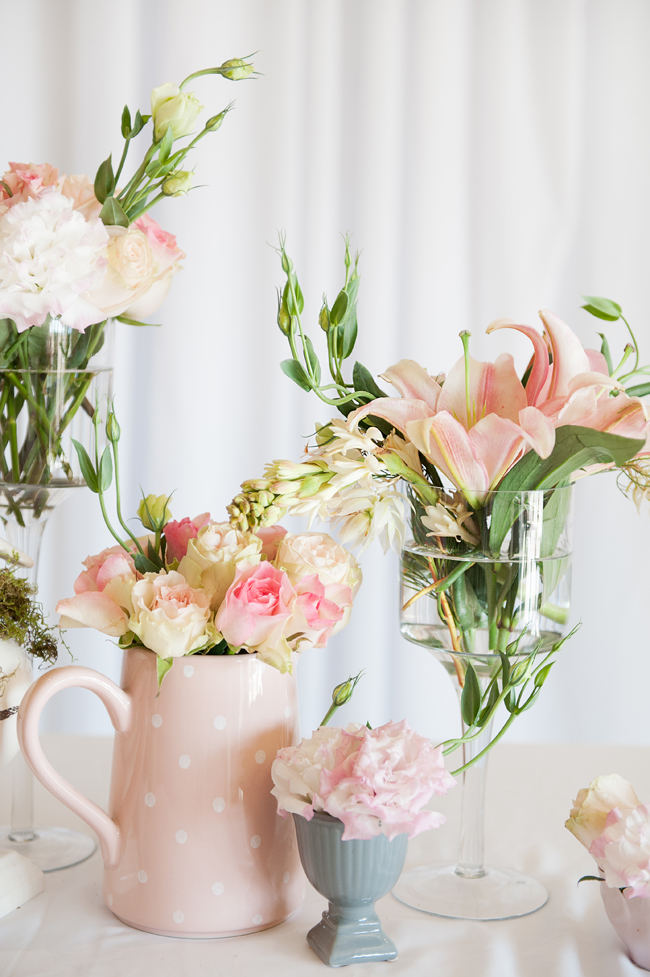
(318, 614)
(103, 594)
(256, 608)
(179, 533)
(271, 537)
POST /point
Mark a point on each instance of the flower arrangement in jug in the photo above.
(484, 453)
(74, 253)
(199, 586)
(614, 826)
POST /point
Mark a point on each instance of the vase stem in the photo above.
(472, 818)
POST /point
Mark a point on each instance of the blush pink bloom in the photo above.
(271, 537)
(376, 781)
(256, 608)
(102, 594)
(178, 533)
(25, 180)
(319, 614)
(622, 851)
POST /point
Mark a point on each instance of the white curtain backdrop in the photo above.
(487, 158)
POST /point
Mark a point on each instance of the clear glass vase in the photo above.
(493, 609)
(53, 380)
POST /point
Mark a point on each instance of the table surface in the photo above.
(67, 931)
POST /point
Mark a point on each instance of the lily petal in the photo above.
(493, 388)
(412, 380)
(540, 367)
(397, 411)
(445, 442)
(569, 356)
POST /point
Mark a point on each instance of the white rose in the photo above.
(296, 771)
(306, 554)
(594, 803)
(170, 617)
(215, 555)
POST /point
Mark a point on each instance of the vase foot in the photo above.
(339, 942)
(51, 849)
(499, 894)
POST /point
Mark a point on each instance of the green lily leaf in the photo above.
(162, 667)
(602, 308)
(87, 467)
(295, 372)
(104, 181)
(112, 213)
(105, 470)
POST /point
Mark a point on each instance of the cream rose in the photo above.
(170, 617)
(593, 804)
(306, 554)
(216, 554)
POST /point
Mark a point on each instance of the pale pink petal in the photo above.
(594, 407)
(445, 442)
(538, 430)
(493, 388)
(413, 381)
(539, 369)
(498, 443)
(597, 361)
(118, 565)
(569, 356)
(93, 610)
(395, 410)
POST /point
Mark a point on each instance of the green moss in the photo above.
(21, 618)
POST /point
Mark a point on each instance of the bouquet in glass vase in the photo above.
(479, 463)
(74, 255)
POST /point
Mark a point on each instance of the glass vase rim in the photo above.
(51, 371)
(511, 493)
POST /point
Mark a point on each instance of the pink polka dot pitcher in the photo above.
(192, 844)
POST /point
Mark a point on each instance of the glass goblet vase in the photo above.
(49, 396)
(493, 610)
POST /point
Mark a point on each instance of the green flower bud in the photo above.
(324, 318)
(113, 431)
(236, 69)
(153, 512)
(214, 122)
(172, 108)
(177, 184)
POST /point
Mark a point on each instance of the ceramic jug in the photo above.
(192, 843)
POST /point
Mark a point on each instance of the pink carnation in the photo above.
(623, 851)
(376, 781)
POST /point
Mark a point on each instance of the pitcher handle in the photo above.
(118, 705)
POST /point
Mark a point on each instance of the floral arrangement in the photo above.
(74, 253)
(467, 446)
(611, 822)
(197, 585)
(376, 781)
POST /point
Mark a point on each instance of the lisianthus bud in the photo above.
(153, 512)
(177, 184)
(170, 107)
(113, 431)
(214, 122)
(237, 69)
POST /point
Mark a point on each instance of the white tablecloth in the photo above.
(67, 931)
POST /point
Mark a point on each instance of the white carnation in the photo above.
(50, 256)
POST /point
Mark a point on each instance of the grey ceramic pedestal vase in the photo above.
(351, 875)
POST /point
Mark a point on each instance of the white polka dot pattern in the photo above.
(142, 876)
(156, 720)
(188, 671)
(256, 920)
(260, 756)
(181, 836)
(219, 805)
(150, 800)
(184, 761)
(219, 722)
(218, 888)
(179, 916)
(256, 841)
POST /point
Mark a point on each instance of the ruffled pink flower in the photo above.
(376, 781)
(178, 533)
(271, 537)
(25, 180)
(319, 612)
(623, 851)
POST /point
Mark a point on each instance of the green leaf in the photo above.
(339, 308)
(112, 213)
(349, 336)
(575, 448)
(144, 565)
(470, 699)
(165, 145)
(139, 123)
(126, 122)
(105, 470)
(314, 363)
(363, 379)
(104, 181)
(505, 671)
(295, 372)
(602, 308)
(510, 701)
(86, 465)
(640, 390)
(488, 706)
(607, 353)
(136, 322)
(162, 667)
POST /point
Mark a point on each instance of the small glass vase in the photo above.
(52, 381)
(492, 609)
(351, 875)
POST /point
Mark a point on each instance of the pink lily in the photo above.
(471, 431)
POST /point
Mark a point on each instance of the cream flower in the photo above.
(170, 617)
(216, 554)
